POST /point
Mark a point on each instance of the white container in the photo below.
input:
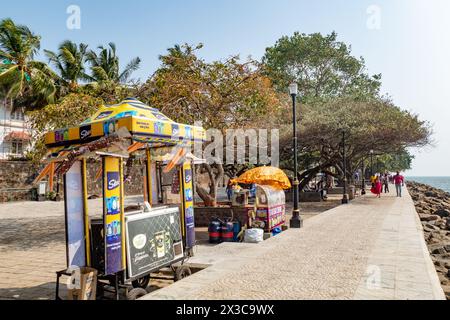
(254, 235)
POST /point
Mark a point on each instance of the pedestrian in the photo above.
(373, 178)
(377, 187)
(229, 189)
(386, 183)
(399, 181)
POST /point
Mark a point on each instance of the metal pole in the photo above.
(296, 221)
(344, 194)
(363, 178)
(371, 164)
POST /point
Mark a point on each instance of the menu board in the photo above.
(188, 204)
(75, 235)
(112, 186)
(153, 240)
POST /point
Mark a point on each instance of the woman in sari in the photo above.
(377, 187)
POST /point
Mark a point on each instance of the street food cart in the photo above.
(125, 243)
(269, 209)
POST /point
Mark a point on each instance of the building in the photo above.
(14, 133)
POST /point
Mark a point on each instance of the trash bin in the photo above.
(84, 284)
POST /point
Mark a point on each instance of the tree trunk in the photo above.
(210, 197)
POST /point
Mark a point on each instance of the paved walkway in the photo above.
(369, 249)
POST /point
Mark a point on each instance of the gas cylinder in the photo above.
(214, 229)
(226, 234)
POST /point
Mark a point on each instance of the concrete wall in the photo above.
(16, 178)
(203, 215)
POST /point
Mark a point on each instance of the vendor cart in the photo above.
(269, 208)
(126, 243)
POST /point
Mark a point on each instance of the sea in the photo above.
(442, 183)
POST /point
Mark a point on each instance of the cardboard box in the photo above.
(87, 285)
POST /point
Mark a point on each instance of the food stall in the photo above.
(269, 209)
(126, 242)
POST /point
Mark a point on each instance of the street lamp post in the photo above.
(296, 220)
(363, 177)
(344, 164)
(371, 163)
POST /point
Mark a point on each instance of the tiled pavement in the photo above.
(369, 249)
(32, 246)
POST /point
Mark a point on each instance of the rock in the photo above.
(428, 217)
(430, 194)
(439, 248)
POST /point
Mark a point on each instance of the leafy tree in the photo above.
(370, 124)
(105, 66)
(321, 65)
(26, 80)
(69, 62)
(220, 94)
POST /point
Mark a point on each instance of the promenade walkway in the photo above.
(369, 249)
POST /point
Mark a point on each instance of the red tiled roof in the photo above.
(17, 135)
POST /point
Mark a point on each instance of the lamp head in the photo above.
(293, 89)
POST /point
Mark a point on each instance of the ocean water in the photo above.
(437, 182)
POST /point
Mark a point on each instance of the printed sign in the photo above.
(112, 216)
(85, 132)
(175, 183)
(188, 205)
(103, 115)
(75, 216)
(151, 239)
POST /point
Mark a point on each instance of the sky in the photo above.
(406, 41)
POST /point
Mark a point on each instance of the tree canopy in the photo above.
(320, 65)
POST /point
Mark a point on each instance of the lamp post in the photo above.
(296, 221)
(344, 164)
(363, 178)
(371, 162)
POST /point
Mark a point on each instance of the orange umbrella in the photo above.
(269, 176)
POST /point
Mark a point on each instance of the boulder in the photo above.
(428, 217)
(431, 194)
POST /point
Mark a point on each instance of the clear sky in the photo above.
(407, 41)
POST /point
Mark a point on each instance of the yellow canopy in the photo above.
(145, 124)
(269, 176)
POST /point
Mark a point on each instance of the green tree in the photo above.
(69, 62)
(321, 65)
(371, 124)
(25, 78)
(220, 94)
(105, 66)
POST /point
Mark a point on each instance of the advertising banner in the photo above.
(75, 234)
(188, 204)
(153, 240)
(112, 214)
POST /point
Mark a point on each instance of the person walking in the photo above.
(377, 187)
(399, 181)
(386, 183)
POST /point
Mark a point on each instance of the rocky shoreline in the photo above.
(433, 207)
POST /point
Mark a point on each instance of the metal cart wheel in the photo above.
(142, 282)
(136, 293)
(182, 272)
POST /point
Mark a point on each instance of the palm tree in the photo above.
(69, 63)
(20, 74)
(105, 65)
